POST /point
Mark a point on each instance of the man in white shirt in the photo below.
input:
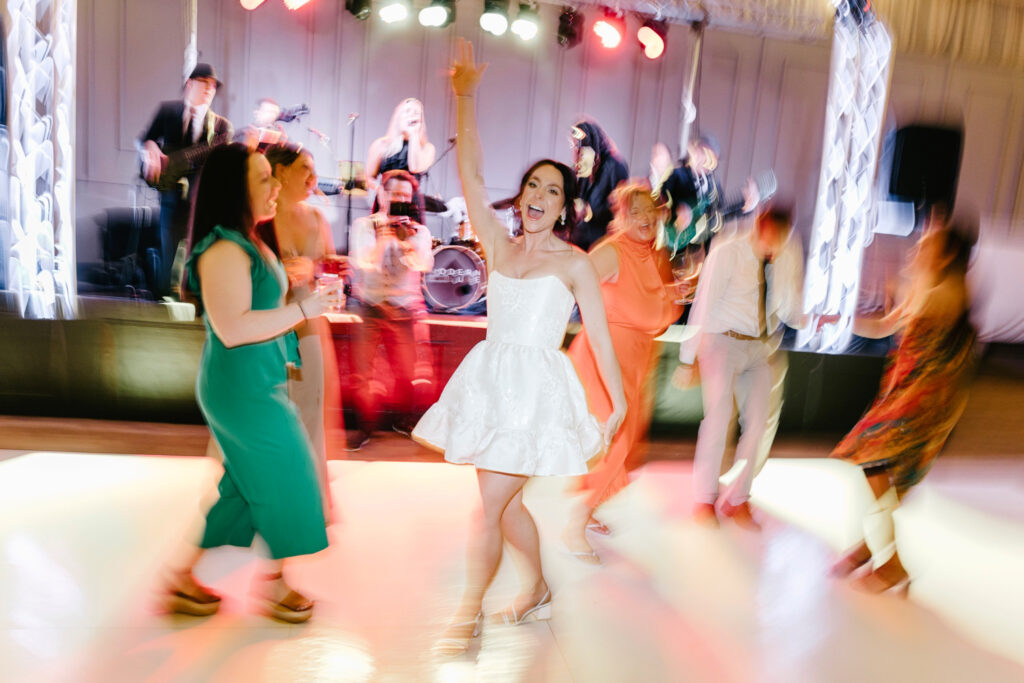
(389, 251)
(749, 285)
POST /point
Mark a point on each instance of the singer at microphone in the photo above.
(404, 147)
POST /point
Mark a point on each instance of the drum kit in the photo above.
(458, 280)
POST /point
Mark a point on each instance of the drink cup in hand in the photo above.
(685, 270)
(330, 290)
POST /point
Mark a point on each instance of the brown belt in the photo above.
(743, 337)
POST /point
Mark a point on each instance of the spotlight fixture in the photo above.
(610, 29)
(251, 4)
(525, 25)
(294, 4)
(360, 9)
(570, 28)
(393, 10)
(494, 20)
(439, 13)
(652, 37)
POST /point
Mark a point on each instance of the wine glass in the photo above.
(686, 265)
(329, 271)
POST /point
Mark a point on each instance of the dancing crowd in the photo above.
(589, 238)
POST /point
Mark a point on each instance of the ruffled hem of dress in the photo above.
(548, 452)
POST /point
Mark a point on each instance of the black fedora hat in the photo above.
(204, 70)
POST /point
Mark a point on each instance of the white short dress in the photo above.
(515, 404)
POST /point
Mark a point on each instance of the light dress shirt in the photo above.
(384, 272)
(198, 119)
(729, 290)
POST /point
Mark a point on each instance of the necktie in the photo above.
(762, 296)
(187, 132)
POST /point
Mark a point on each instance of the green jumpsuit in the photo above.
(269, 484)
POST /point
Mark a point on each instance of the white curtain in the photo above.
(980, 31)
(987, 32)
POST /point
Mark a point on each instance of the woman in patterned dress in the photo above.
(922, 395)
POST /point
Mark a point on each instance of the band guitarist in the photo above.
(172, 150)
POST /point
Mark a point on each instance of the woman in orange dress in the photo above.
(639, 299)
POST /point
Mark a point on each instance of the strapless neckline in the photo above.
(530, 279)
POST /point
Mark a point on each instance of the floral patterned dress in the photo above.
(922, 395)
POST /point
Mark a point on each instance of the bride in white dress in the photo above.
(515, 407)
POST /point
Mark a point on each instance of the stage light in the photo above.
(360, 9)
(525, 25)
(393, 10)
(494, 20)
(652, 37)
(610, 29)
(438, 13)
(570, 28)
(251, 4)
(294, 4)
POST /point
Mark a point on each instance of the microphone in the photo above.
(352, 118)
(451, 140)
(323, 138)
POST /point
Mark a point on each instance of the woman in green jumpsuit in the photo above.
(269, 484)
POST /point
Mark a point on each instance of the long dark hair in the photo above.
(565, 227)
(595, 137)
(284, 154)
(222, 197)
(280, 154)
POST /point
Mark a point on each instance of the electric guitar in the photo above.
(183, 162)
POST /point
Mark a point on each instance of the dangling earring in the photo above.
(561, 219)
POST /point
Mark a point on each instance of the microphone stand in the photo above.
(350, 182)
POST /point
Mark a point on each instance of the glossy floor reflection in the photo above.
(82, 539)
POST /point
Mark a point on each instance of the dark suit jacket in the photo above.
(167, 127)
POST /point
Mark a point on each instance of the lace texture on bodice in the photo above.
(527, 311)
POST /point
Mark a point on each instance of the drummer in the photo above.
(389, 251)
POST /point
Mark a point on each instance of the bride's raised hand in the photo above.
(465, 73)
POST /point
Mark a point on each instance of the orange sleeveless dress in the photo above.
(639, 308)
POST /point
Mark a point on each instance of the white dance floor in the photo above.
(83, 538)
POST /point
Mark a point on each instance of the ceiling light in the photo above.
(652, 37)
(392, 11)
(494, 20)
(438, 13)
(570, 28)
(610, 28)
(360, 9)
(294, 4)
(251, 4)
(525, 25)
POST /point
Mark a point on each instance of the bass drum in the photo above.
(458, 279)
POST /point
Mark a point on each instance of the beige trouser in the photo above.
(752, 374)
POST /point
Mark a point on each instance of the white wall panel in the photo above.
(763, 98)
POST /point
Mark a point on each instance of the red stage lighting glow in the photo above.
(610, 29)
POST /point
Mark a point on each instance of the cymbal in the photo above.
(503, 204)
